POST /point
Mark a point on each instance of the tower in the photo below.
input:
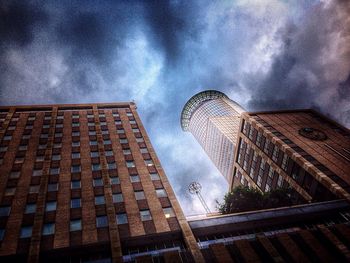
(213, 119)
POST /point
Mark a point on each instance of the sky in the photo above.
(265, 55)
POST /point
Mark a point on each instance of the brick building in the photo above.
(298, 148)
(83, 183)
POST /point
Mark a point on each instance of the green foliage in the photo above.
(243, 198)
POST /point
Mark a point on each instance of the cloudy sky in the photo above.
(263, 54)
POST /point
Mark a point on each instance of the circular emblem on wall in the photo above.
(313, 134)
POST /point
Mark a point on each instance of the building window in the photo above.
(143, 150)
(117, 198)
(75, 169)
(101, 221)
(75, 203)
(266, 146)
(58, 125)
(285, 161)
(50, 206)
(52, 187)
(34, 189)
(251, 133)
(93, 142)
(26, 137)
(140, 195)
(90, 116)
(26, 231)
(132, 122)
(107, 142)
(56, 157)
(134, 178)
(275, 153)
(109, 153)
(76, 155)
(75, 133)
(23, 147)
(126, 151)
(121, 219)
(58, 135)
(37, 172)
(94, 154)
(46, 126)
(15, 174)
(90, 124)
(5, 211)
(135, 130)
(145, 215)
(48, 229)
(129, 114)
(123, 141)
(75, 124)
(75, 184)
(104, 132)
(120, 131)
(30, 208)
(139, 140)
(99, 200)
(42, 146)
(75, 144)
(92, 133)
(114, 180)
(54, 170)
(40, 158)
(7, 138)
(95, 167)
(161, 192)
(118, 122)
(154, 176)
(57, 145)
(75, 225)
(112, 166)
(280, 181)
(32, 118)
(47, 118)
(168, 212)
(130, 164)
(60, 117)
(19, 160)
(10, 191)
(3, 148)
(98, 182)
(2, 234)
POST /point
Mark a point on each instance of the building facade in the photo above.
(213, 119)
(83, 183)
(301, 149)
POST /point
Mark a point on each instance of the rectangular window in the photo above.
(40, 158)
(135, 130)
(149, 162)
(50, 206)
(34, 189)
(23, 147)
(285, 161)
(15, 174)
(126, 151)
(54, 170)
(140, 195)
(143, 150)
(121, 219)
(96, 167)
(7, 138)
(5, 211)
(168, 212)
(75, 144)
(75, 124)
(48, 229)
(75, 184)
(123, 141)
(118, 122)
(19, 160)
(26, 137)
(75, 225)
(98, 182)
(75, 203)
(266, 146)
(104, 132)
(30, 208)
(99, 200)
(107, 142)
(114, 180)
(275, 153)
(57, 145)
(145, 215)
(56, 157)
(129, 114)
(90, 124)
(92, 133)
(101, 221)
(117, 198)
(75, 116)
(130, 164)
(112, 166)
(76, 155)
(109, 153)
(134, 178)
(75, 169)
(280, 181)
(58, 135)
(75, 133)
(132, 122)
(2, 234)
(42, 146)
(94, 154)
(60, 125)
(26, 231)
(10, 191)
(93, 142)
(52, 187)
(139, 140)
(161, 192)
(120, 131)
(154, 176)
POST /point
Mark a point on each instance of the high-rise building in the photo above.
(83, 183)
(301, 149)
(214, 119)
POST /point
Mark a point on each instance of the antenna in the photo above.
(195, 188)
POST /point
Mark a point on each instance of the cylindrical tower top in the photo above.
(197, 100)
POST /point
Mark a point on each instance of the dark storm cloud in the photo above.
(18, 21)
(313, 68)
